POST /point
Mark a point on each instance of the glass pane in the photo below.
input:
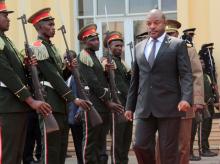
(139, 28)
(85, 7)
(168, 5)
(82, 23)
(142, 6)
(171, 16)
(112, 6)
(113, 26)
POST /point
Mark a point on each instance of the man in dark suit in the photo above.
(160, 92)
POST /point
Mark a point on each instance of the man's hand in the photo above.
(198, 107)
(73, 64)
(85, 105)
(30, 61)
(183, 106)
(114, 107)
(129, 115)
(109, 66)
(40, 106)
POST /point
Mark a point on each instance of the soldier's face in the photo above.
(47, 28)
(156, 25)
(116, 48)
(4, 22)
(93, 44)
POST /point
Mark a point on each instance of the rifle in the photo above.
(213, 77)
(130, 44)
(94, 116)
(49, 121)
(206, 54)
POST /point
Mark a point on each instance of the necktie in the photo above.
(152, 53)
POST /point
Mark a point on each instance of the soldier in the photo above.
(198, 94)
(198, 88)
(15, 98)
(93, 74)
(123, 130)
(209, 100)
(57, 92)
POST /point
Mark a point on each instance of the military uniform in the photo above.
(209, 100)
(57, 92)
(93, 75)
(207, 122)
(13, 91)
(123, 130)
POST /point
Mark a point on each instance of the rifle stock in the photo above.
(94, 117)
(50, 122)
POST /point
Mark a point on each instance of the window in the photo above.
(168, 5)
(112, 6)
(85, 7)
(142, 6)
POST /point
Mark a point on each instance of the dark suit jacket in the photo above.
(159, 89)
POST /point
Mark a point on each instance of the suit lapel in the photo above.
(142, 48)
(163, 47)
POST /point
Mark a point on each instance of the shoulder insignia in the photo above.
(39, 50)
(37, 43)
(85, 58)
(2, 44)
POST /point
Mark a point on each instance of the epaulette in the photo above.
(37, 43)
(2, 44)
(39, 50)
(85, 58)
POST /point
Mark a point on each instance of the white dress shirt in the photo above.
(149, 46)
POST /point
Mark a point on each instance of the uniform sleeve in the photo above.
(197, 73)
(50, 72)
(92, 80)
(11, 79)
(51, 75)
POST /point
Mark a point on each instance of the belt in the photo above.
(2, 85)
(46, 83)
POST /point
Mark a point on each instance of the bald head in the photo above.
(156, 23)
(156, 13)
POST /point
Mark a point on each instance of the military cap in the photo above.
(207, 46)
(41, 15)
(3, 8)
(142, 35)
(189, 31)
(88, 31)
(112, 36)
(172, 25)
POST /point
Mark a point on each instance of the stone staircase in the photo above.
(214, 140)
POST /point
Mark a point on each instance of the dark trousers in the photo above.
(55, 143)
(77, 134)
(206, 129)
(144, 143)
(33, 137)
(94, 138)
(13, 128)
(123, 136)
(193, 134)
